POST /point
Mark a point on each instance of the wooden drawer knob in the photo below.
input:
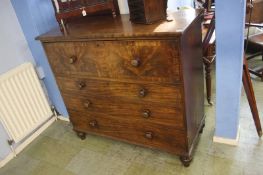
(81, 85)
(142, 92)
(146, 113)
(87, 104)
(135, 62)
(93, 123)
(72, 59)
(149, 135)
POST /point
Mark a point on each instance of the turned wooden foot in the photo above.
(81, 135)
(114, 14)
(210, 102)
(186, 160)
(202, 128)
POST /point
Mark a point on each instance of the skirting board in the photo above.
(227, 141)
(19, 148)
(60, 117)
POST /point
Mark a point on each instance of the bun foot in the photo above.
(210, 103)
(186, 160)
(202, 129)
(260, 133)
(81, 135)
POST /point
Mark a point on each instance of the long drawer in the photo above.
(156, 61)
(146, 112)
(146, 134)
(133, 92)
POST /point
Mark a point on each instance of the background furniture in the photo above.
(142, 84)
(206, 4)
(255, 41)
(256, 16)
(208, 42)
(147, 11)
(65, 10)
(251, 97)
(209, 55)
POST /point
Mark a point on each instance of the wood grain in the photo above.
(113, 108)
(164, 137)
(158, 94)
(147, 11)
(121, 28)
(193, 79)
(157, 60)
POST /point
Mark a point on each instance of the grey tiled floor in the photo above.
(58, 151)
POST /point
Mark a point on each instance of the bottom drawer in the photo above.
(152, 135)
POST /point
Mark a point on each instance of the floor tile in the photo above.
(52, 151)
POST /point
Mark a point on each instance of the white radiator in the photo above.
(23, 104)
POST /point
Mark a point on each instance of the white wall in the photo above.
(14, 50)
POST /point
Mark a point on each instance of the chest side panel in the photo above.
(193, 78)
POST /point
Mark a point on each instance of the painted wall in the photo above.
(37, 17)
(13, 46)
(14, 51)
(229, 47)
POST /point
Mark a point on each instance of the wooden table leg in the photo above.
(251, 97)
(208, 82)
(261, 72)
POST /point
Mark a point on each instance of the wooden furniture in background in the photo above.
(147, 11)
(257, 13)
(251, 97)
(142, 84)
(206, 4)
(256, 41)
(66, 9)
(209, 56)
(208, 42)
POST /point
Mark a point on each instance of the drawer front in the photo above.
(156, 61)
(145, 112)
(139, 93)
(150, 135)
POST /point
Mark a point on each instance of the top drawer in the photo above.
(156, 61)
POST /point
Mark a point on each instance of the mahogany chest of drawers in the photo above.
(142, 84)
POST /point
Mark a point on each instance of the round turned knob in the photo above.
(93, 123)
(149, 135)
(72, 60)
(87, 104)
(81, 85)
(146, 113)
(142, 92)
(135, 62)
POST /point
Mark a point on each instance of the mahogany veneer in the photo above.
(142, 84)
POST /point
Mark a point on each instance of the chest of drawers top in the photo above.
(107, 28)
